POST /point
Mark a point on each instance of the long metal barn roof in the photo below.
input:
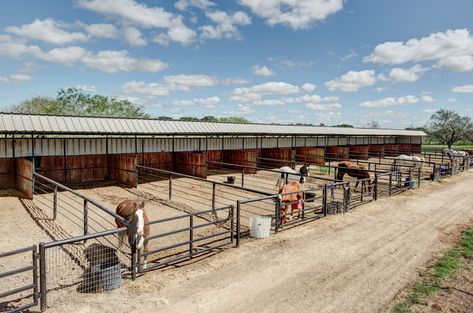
(14, 123)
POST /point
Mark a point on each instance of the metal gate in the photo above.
(19, 285)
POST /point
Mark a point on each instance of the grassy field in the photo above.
(446, 268)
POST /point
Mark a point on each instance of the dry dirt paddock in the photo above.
(355, 262)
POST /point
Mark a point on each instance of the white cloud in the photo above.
(323, 107)
(144, 16)
(297, 14)
(210, 102)
(452, 50)
(201, 4)
(349, 56)
(102, 30)
(256, 92)
(15, 49)
(400, 75)
(110, 61)
(47, 30)
(262, 70)
(308, 87)
(352, 81)
(452, 100)
(132, 35)
(171, 83)
(234, 80)
(400, 101)
(327, 116)
(381, 89)
(463, 89)
(226, 25)
(15, 78)
(87, 88)
(67, 56)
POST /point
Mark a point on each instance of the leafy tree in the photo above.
(165, 118)
(448, 127)
(343, 125)
(373, 124)
(72, 101)
(234, 119)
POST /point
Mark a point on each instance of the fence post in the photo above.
(232, 222)
(390, 182)
(86, 217)
(42, 276)
(191, 235)
(418, 177)
(213, 197)
(131, 229)
(277, 214)
(238, 223)
(170, 187)
(243, 177)
(55, 202)
(375, 196)
(303, 205)
(433, 172)
(324, 200)
(35, 274)
(329, 166)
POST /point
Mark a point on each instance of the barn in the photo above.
(72, 149)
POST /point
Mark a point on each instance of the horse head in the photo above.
(137, 219)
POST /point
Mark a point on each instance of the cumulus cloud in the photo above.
(256, 92)
(400, 75)
(400, 101)
(132, 35)
(171, 83)
(15, 78)
(225, 25)
(210, 102)
(297, 14)
(463, 89)
(144, 16)
(102, 30)
(323, 107)
(352, 81)
(453, 50)
(201, 4)
(47, 30)
(67, 56)
(262, 70)
(308, 87)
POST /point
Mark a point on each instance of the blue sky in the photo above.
(312, 61)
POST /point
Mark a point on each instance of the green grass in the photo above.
(445, 268)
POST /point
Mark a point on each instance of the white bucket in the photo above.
(260, 226)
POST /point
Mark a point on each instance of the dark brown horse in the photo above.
(135, 214)
(354, 170)
(292, 201)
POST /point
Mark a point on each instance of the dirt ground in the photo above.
(356, 262)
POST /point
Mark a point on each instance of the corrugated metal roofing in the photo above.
(24, 123)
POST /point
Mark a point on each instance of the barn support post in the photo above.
(329, 166)
(42, 277)
(170, 186)
(303, 205)
(191, 235)
(375, 186)
(238, 210)
(86, 217)
(243, 177)
(55, 202)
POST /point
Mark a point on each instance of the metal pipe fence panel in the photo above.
(18, 279)
(183, 237)
(87, 264)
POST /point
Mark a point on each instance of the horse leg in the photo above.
(143, 259)
(121, 239)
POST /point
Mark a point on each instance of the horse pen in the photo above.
(200, 194)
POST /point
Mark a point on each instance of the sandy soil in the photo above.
(355, 262)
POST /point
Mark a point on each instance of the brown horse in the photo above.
(293, 201)
(135, 214)
(354, 170)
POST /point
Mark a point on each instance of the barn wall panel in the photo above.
(7, 173)
(376, 151)
(24, 177)
(245, 157)
(190, 163)
(391, 150)
(336, 153)
(276, 157)
(312, 155)
(359, 152)
(122, 168)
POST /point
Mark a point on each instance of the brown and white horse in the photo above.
(354, 170)
(135, 214)
(292, 201)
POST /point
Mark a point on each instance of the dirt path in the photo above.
(355, 262)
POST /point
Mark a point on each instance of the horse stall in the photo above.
(312, 155)
(359, 152)
(191, 163)
(337, 153)
(391, 150)
(376, 151)
(268, 155)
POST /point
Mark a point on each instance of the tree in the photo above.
(447, 126)
(373, 124)
(72, 101)
(343, 125)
